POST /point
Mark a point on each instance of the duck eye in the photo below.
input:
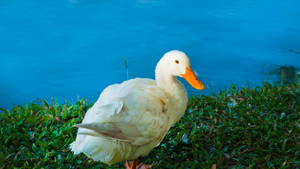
(176, 61)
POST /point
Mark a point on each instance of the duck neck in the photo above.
(168, 83)
(172, 86)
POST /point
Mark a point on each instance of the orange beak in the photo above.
(190, 77)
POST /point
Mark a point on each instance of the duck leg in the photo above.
(134, 165)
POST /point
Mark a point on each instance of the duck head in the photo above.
(176, 63)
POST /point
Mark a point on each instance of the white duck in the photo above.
(130, 119)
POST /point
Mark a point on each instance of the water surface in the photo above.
(73, 48)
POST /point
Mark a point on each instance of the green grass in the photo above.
(247, 128)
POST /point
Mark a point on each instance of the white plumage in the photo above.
(130, 119)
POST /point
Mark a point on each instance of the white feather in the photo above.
(130, 119)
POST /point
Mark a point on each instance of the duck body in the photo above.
(132, 124)
(130, 119)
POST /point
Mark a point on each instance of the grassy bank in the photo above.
(246, 128)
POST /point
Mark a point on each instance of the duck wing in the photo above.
(134, 112)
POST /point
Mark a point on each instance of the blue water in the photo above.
(68, 49)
